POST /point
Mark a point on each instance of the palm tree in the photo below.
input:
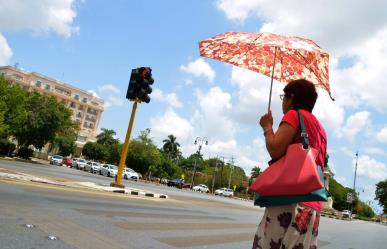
(171, 147)
(106, 137)
(256, 171)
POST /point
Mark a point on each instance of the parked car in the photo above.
(92, 167)
(56, 160)
(67, 161)
(108, 170)
(178, 183)
(346, 213)
(80, 164)
(201, 188)
(224, 192)
(228, 192)
(74, 163)
(164, 181)
(130, 174)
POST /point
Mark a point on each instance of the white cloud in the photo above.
(355, 123)
(370, 168)
(237, 10)
(170, 98)
(382, 135)
(5, 51)
(253, 96)
(365, 42)
(42, 16)
(109, 88)
(188, 82)
(115, 101)
(94, 93)
(303, 17)
(170, 123)
(199, 68)
(375, 151)
(212, 119)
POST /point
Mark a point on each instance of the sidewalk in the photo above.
(14, 175)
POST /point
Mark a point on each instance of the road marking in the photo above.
(181, 226)
(182, 242)
(112, 214)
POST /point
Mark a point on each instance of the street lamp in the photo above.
(354, 183)
(199, 141)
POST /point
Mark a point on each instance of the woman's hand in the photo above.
(266, 121)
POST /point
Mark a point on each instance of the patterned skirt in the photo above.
(288, 227)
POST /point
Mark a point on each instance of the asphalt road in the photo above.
(84, 219)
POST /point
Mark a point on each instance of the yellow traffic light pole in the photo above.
(125, 146)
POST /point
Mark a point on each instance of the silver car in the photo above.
(80, 164)
(108, 170)
(56, 160)
(92, 167)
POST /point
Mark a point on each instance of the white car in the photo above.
(80, 164)
(130, 174)
(201, 188)
(92, 167)
(56, 160)
(224, 192)
(346, 213)
(228, 192)
(108, 170)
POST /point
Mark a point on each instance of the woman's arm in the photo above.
(276, 143)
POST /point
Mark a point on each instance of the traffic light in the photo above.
(139, 84)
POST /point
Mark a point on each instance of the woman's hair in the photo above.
(304, 94)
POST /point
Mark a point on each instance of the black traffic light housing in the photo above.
(139, 84)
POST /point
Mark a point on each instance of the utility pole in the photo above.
(354, 183)
(231, 168)
(214, 176)
(199, 141)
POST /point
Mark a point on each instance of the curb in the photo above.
(24, 177)
(147, 194)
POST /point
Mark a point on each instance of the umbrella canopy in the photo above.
(283, 58)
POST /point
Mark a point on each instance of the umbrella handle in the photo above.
(272, 76)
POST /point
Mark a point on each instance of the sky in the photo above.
(94, 45)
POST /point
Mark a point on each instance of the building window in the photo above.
(38, 83)
(81, 138)
(76, 97)
(84, 100)
(48, 87)
(17, 77)
(80, 107)
(79, 115)
(91, 125)
(73, 105)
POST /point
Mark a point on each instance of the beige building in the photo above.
(87, 109)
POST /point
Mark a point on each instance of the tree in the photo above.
(94, 151)
(171, 147)
(106, 137)
(144, 137)
(44, 118)
(381, 194)
(255, 171)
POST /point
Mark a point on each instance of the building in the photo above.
(87, 109)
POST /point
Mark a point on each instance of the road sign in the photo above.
(349, 198)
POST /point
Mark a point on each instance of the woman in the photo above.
(293, 226)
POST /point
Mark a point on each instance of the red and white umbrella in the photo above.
(284, 58)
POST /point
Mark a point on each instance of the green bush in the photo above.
(6, 147)
(25, 152)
